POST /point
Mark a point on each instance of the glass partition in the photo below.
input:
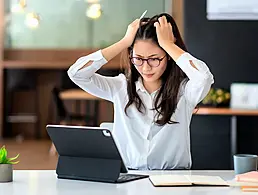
(73, 24)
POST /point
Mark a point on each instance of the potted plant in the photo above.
(217, 97)
(6, 166)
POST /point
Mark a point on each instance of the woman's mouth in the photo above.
(148, 75)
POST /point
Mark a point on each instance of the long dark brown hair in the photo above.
(167, 97)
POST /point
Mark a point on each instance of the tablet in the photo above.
(88, 153)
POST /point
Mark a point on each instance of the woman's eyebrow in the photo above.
(148, 56)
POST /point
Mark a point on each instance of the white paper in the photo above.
(244, 95)
(176, 180)
(232, 9)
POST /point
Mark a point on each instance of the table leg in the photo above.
(37, 122)
(96, 112)
(77, 107)
(233, 136)
(88, 111)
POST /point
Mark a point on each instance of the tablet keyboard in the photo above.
(130, 177)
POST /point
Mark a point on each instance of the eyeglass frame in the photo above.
(159, 59)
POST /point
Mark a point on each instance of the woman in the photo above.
(155, 99)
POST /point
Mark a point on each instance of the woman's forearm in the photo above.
(175, 52)
(112, 51)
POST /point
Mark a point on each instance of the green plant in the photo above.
(4, 159)
(217, 97)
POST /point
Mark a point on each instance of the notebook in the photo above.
(186, 180)
(248, 177)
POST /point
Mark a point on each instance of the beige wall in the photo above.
(177, 12)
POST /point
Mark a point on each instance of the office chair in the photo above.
(64, 117)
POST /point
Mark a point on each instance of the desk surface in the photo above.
(45, 182)
(77, 94)
(226, 111)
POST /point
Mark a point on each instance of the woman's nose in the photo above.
(146, 66)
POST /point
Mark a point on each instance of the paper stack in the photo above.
(251, 178)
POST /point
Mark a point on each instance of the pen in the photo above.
(143, 14)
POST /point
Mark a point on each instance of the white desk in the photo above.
(44, 182)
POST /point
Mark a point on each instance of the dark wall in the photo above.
(230, 49)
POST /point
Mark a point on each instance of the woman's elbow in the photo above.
(209, 78)
(70, 73)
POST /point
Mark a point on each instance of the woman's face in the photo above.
(147, 49)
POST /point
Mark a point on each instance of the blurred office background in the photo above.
(39, 40)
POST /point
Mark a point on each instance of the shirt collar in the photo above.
(139, 85)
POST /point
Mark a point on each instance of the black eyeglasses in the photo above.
(153, 62)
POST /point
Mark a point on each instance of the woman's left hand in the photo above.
(164, 32)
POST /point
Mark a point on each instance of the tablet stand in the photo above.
(91, 169)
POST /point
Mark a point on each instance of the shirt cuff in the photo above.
(184, 63)
(96, 57)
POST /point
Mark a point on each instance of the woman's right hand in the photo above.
(113, 50)
(131, 32)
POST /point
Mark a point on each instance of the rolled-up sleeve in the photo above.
(200, 78)
(95, 84)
